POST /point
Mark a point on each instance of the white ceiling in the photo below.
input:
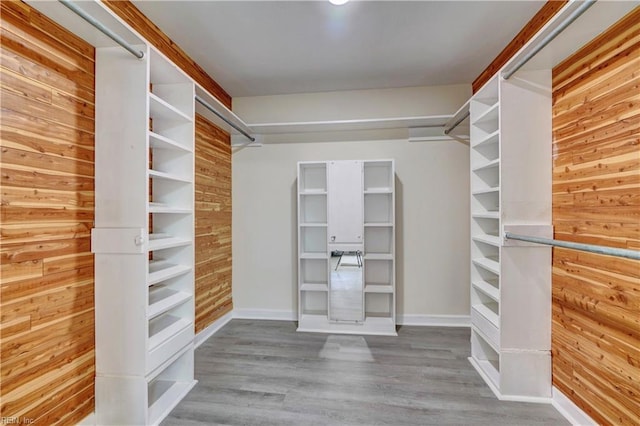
(254, 48)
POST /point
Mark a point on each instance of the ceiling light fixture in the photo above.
(338, 2)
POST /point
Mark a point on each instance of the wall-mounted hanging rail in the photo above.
(102, 28)
(512, 69)
(457, 123)
(223, 118)
(591, 248)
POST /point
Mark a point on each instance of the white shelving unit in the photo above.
(511, 186)
(143, 238)
(378, 194)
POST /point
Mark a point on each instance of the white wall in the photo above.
(432, 212)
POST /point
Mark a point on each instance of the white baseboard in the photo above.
(265, 314)
(212, 328)
(434, 320)
(569, 410)
(421, 320)
(90, 420)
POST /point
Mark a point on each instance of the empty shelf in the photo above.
(165, 208)
(164, 327)
(313, 225)
(488, 287)
(163, 299)
(490, 264)
(490, 114)
(492, 240)
(314, 287)
(154, 174)
(486, 191)
(157, 141)
(490, 165)
(164, 395)
(159, 109)
(491, 138)
(164, 241)
(160, 270)
(378, 191)
(378, 288)
(487, 215)
(488, 310)
(378, 225)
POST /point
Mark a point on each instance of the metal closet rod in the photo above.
(548, 38)
(591, 248)
(103, 29)
(457, 123)
(223, 118)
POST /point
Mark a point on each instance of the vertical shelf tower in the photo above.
(510, 163)
(314, 275)
(144, 236)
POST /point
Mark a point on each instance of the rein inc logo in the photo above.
(16, 421)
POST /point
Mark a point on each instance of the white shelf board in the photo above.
(313, 225)
(488, 312)
(486, 191)
(378, 225)
(489, 370)
(492, 240)
(489, 264)
(159, 109)
(491, 114)
(162, 300)
(313, 192)
(491, 138)
(313, 287)
(378, 288)
(163, 328)
(378, 256)
(490, 290)
(162, 270)
(378, 191)
(164, 208)
(168, 176)
(164, 241)
(163, 397)
(350, 125)
(314, 256)
(487, 215)
(158, 141)
(493, 164)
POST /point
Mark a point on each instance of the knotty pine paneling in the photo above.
(546, 12)
(213, 223)
(47, 170)
(138, 21)
(596, 199)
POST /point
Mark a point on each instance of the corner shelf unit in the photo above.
(510, 284)
(143, 238)
(314, 274)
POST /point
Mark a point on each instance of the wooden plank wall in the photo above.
(213, 223)
(596, 199)
(546, 12)
(143, 25)
(46, 291)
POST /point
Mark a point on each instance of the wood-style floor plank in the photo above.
(264, 372)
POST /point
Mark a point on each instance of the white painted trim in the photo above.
(212, 329)
(265, 314)
(569, 410)
(434, 320)
(90, 420)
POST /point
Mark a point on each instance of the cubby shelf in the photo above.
(169, 176)
(146, 132)
(507, 177)
(372, 182)
(159, 109)
(157, 141)
(161, 270)
(489, 287)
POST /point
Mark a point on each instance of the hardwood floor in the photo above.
(265, 373)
